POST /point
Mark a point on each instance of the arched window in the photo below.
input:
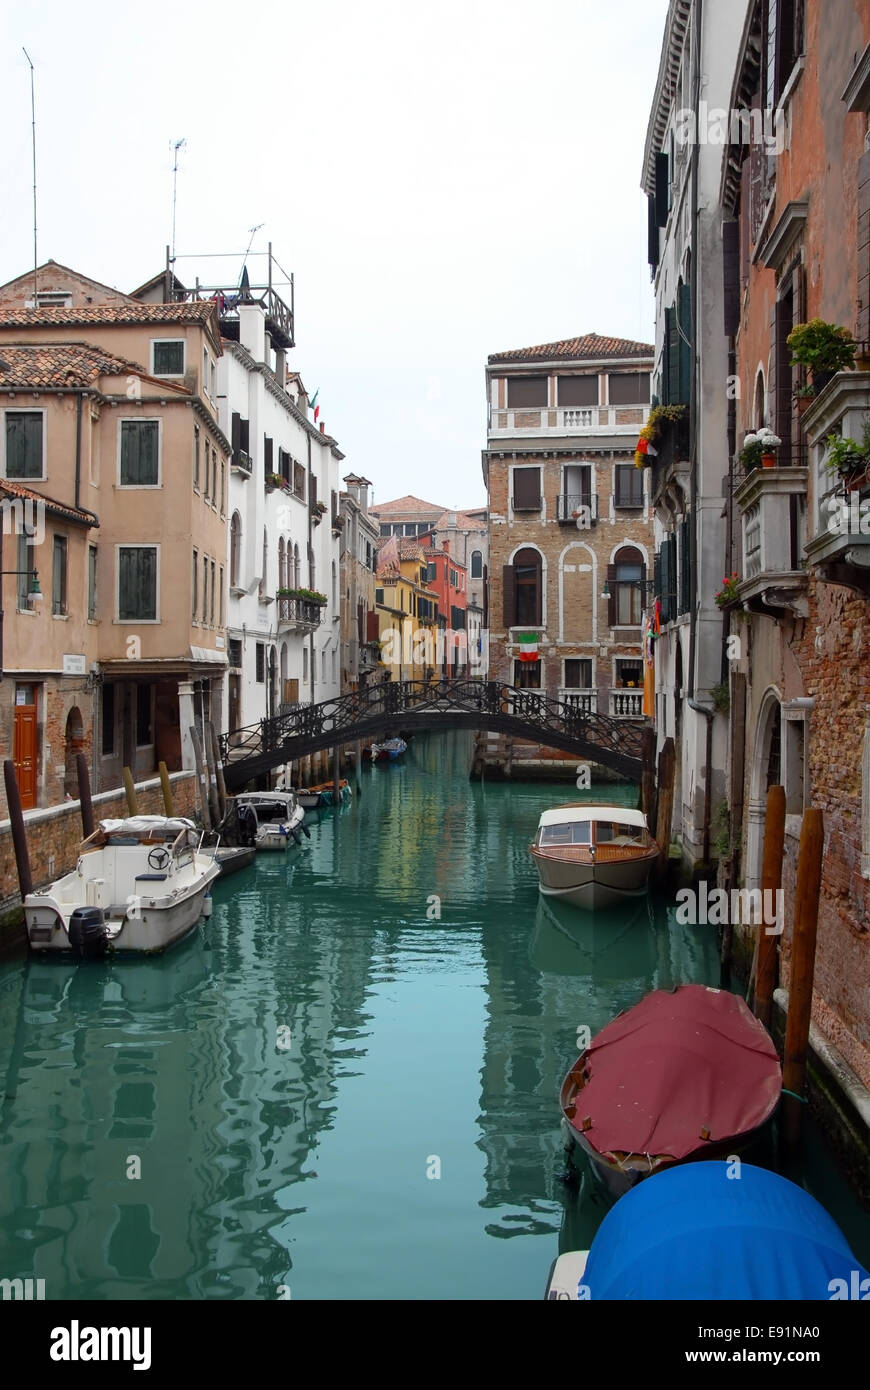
(476, 564)
(334, 587)
(625, 579)
(296, 577)
(282, 564)
(760, 401)
(235, 550)
(525, 604)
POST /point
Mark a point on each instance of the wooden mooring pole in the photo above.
(16, 825)
(336, 775)
(803, 959)
(771, 885)
(211, 772)
(166, 788)
(665, 805)
(219, 770)
(130, 790)
(85, 804)
(196, 744)
(648, 777)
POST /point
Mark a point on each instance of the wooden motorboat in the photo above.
(686, 1074)
(232, 858)
(593, 855)
(322, 794)
(140, 885)
(272, 820)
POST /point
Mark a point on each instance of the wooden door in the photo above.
(24, 753)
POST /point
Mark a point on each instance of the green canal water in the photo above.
(331, 1091)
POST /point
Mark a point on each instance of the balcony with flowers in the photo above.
(771, 498)
(837, 426)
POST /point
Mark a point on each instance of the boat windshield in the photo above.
(572, 833)
(615, 834)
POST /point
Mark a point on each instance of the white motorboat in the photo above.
(275, 820)
(140, 885)
(593, 856)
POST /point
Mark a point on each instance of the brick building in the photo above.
(447, 577)
(570, 526)
(358, 563)
(796, 246)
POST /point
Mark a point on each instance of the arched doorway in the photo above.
(73, 743)
(766, 773)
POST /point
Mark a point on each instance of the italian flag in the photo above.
(313, 404)
(528, 643)
(644, 447)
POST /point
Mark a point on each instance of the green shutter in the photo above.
(684, 308)
(139, 453)
(23, 444)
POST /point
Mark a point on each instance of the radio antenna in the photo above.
(179, 145)
(33, 144)
(253, 231)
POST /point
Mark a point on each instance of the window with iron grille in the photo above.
(107, 719)
(260, 663)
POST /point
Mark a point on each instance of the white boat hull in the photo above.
(565, 1275)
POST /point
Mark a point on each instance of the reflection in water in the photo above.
(397, 994)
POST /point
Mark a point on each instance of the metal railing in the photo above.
(299, 613)
(574, 506)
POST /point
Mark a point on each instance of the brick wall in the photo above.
(54, 835)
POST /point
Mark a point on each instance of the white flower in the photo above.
(749, 439)
(768, 438)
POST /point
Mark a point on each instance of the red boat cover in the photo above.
(680, 1062)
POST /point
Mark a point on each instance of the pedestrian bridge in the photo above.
(382, 710)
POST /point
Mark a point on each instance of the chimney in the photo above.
(445, 546)
(281, 366)
(322, 428)
(252, 330)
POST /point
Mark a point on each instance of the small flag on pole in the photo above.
(314, 406)
(528, 644)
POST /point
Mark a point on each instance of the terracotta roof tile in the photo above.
(8, 488)
(405, 504)
(59, 364)
(193, 311)
(463, 522)
(591, 346)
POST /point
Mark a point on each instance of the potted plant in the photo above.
(823, 348)
(769, 443)
(660, 418)
(728, 593)
(273, 481)
(318, 512)
(848, 457)
(749, 457)
(803, 397)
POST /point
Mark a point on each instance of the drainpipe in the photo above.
(78, 447)
(693, 704)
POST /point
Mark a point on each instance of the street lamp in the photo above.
(34, 594)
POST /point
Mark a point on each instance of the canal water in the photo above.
(345, 1086)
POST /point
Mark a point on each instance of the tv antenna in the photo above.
(253, 231)
(33, 143)
(178, 145)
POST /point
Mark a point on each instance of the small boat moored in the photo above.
(139, 885)
(687, 1073)
(271, 820)
(593, 855)
(389, 750)
(699, 1232)
(321, 794)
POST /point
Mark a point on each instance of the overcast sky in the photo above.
(444, 180)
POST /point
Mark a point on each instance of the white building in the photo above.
(682, 172)
(283, 645)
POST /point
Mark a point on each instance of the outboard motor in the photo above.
(87, 932)
(248, 823)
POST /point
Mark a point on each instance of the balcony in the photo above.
(672, 452)
(569, 420)
(241, 464)
(838, 547)
(298, 615)
(572, 508)
(626, 704)
(772, 505)
(583, 701)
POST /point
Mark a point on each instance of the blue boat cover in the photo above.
(693, 1232)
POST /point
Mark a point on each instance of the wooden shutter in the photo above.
(685, 565)
(662, 182)
(672, 574)
(785, 44)
(235, 433)
(657, 574)
(863, 248)
(686, 345)
(509, 596)
(731, 276)
(245, 436)
(372, 626)
(672, 365)
(268, 454)
(652, 233)
(611, 602)
(781, 371)
(527, 489)
(665, 575)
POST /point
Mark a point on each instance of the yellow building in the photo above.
(407, 611)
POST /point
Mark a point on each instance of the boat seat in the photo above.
(151, 878)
